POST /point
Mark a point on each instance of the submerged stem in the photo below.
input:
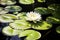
(46, 33)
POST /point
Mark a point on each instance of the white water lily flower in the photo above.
(33, 16)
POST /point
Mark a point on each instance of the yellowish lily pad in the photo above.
(10, 32)
(41, 26)
(26, 1)
(20, 24)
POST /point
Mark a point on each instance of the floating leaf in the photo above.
(25, 33)
(10, 32)
(53, 20)
(3, 20)
(52, 6)
(15, 12)
(57, 13)
(31, 35)
(58, 29)
(32, 39)
(22, 15)
(10, 16)
(41, 0)
(41, 26)
(13, 8)
(7, 2)
(7, 18)
(26, 1)
(3, 11)
(56, 10)
(41, 10)
(51, 9)
(1, 8)
(20, 24)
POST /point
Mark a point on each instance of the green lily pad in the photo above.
(25, 33)
(31, 35)
(58, 29)
(32, 39)
(26, 1)
(52, 6)
(22, 15)
(41, 0)
(10, 16)
(16, 13)
(55, 10)
(10, 32)
(53, 20)
(7, 18)
(41, 26)
(51, 9)
(13, 8)
(41, 10)
(7, 2)
(3, 11)
(20, 24)
(1, 8)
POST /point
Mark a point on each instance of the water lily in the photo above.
(7, 2)
(2, 11)
(26, 1)
(33, 16)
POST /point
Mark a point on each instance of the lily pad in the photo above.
(1, 8)
(55, 10)
(58, 29)
(41, 25)
(41, 10)
(7, 18)
(25, 33)
(13, 8)
(10, 32)
(7, 2)
(15, 13)
(22, 15)
(32, 39)
(53, 20)
(52, 6)
(41, 0)
(31, 35)
(20, 24)
(10, 16)
(26, 1)
(3, 11)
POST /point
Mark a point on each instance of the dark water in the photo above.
(47, 34)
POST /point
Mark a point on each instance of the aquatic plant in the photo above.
(28, 24)
(7, 2)
(26, 1)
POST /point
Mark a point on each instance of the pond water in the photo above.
(46, 34)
